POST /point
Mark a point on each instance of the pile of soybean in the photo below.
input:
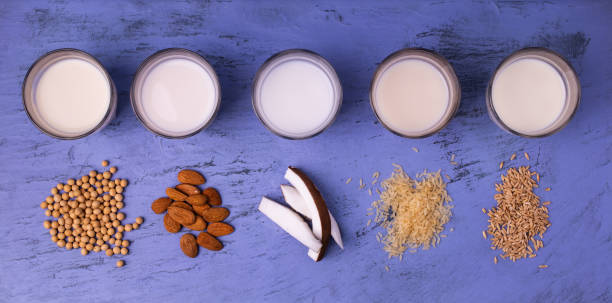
(84, 213)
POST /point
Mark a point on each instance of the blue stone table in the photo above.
(240, 157)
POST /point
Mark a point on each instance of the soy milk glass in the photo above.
(68, 94)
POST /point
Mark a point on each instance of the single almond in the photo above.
(188, 189)
(171, 225)
(215, 214)
(198, 225)
(209, 242)
(198, 199)
(192, 177)
(181, 205)
(213, 196)
(175, 195)
(181, 215)
(199, 209)
(189, 245)
(161, 205)
(219, 229)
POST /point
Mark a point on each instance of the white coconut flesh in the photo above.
(296, 201)
(291, 222)
(321, 222)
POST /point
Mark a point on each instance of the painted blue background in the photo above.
(245, 161)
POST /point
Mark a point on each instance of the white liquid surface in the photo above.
(528, 95)
(178, 97)
(411, 96)
(72, 96)
(297, 97)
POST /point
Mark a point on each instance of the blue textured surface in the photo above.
(245, 161)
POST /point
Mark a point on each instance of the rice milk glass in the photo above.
(414, 93)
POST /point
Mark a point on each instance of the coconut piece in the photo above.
(321, 223)
(296, 201)
(291, 222)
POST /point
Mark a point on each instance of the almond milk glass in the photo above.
(175, 93)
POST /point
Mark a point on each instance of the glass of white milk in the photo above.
(414, 92)
(296, 94)
(175, 93)
(68, 94)
(534, 92)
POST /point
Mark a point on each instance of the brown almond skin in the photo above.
(175, 195)
(199, 209)
(188, 189)
(219, 229)
(171, 225)
(198, 225)
(181, 205)
(192, 177)
(209, 242)
(181, 215)
(189, 245)
(213, 196)
(161, 205)
(215, 214)
(198, 199)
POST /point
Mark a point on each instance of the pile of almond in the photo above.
(188, 206)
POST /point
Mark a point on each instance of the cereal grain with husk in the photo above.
(519, 220)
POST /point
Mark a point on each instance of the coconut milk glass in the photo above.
(68, 94)
(414, 92)
(296, 94)
(533, 93)
(175, 93)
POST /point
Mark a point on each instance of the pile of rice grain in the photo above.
(413, 211)
(518, 219)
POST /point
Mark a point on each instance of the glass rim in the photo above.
(189, 54)
(28, 81)
(551, 55)
(327, 68)
(443, 66)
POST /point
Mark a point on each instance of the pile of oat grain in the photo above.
(518, 222)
